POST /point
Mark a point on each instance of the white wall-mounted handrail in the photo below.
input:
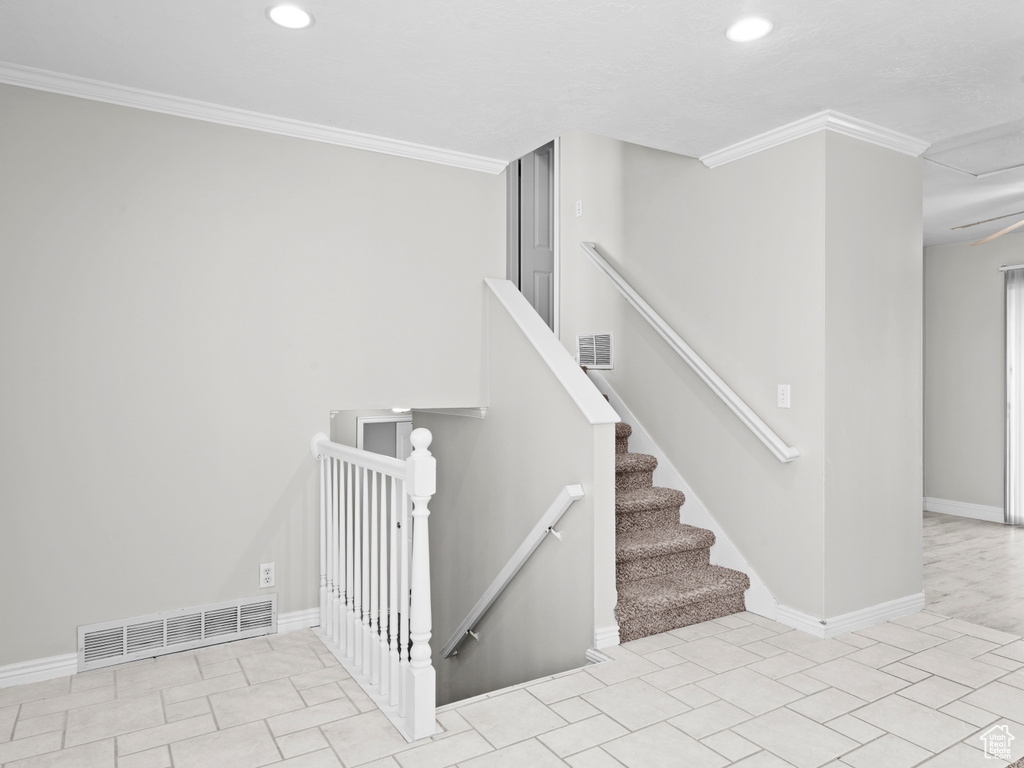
(565, 497)
(784, 453)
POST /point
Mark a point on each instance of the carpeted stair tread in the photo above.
(655, 542)
(644, 499)
(678, 590)
(622, 429)
(635, 462)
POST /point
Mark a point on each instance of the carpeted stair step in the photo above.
(622, 433)
(649, 606)
(646, 508)
(652, 552)
(634, 470)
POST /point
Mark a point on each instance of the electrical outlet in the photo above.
(579, 207)
(266, 575)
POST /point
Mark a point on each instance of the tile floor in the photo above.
(974, 571)
(740, 691)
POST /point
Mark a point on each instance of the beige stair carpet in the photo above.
(663, 569)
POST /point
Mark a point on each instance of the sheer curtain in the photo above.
(1013, 501)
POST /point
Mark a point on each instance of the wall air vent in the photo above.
(595, 351)
(116, 642)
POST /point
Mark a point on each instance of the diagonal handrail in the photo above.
(565, 497)
(783, 452)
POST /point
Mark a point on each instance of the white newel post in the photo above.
(421, 477)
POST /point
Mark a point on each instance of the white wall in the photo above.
(496, 478)
(873, 378)
(964, 383)
(746, 262)
(181, 305)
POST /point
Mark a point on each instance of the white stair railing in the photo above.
(375, 575)
(544, 526)
(783, 452)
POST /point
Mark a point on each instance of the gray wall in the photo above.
(769, 267)
(964, 383)
(181, 305)
(496, 478)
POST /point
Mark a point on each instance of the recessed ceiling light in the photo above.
(290, 16)
(750, 28)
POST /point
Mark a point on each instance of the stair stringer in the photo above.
(758, 598)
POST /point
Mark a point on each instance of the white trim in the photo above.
(1007, 269)
(362, 421)
(594, 656)
(605, 637)
(826, 120)
(764, 433)
(964, 509)
(851, 622)
(758, 598)
(110, 93)
(66, 664)
(38, 669)
(556, 245)
(593, 407)
(471, 413)
(296, 620)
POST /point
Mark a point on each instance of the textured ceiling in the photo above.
(498, 78)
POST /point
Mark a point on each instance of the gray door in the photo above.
(535, 237)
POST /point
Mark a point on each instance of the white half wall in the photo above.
(496, 477)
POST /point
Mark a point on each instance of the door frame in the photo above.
(362, 421)
(512, 229)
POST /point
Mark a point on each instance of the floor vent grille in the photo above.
(116, 642)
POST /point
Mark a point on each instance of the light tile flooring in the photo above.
(974, 571)
(740, 691)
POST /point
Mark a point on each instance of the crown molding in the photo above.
(95, 90)
(827, 120)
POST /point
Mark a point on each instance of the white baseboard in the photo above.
(38, 669)
(66, 664)
(606, 637)
(850, 622)
(964, 509)
(758, 599)
(290, 622)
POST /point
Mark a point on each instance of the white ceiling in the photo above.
(499, 77)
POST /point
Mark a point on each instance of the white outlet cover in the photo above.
(268, 570)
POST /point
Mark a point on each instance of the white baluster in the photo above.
(323, 543)
(357, 547)
(332, 562)
(349, 563)
(403, 603)
(337, 570)
(421, 475)
(390, 689)
(381, 640)
(364, 634)
(374, 649)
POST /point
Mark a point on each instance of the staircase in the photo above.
(662, 567)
